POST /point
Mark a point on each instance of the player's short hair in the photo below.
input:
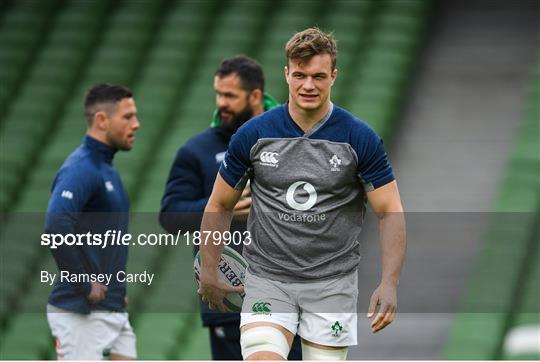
(304, 45)
(100, 98)
(249, 71)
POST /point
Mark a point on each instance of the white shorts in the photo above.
(322, 312)
(91, 336)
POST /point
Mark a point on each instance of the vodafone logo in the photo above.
(312, 199)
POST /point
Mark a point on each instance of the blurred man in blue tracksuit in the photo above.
(87, 314)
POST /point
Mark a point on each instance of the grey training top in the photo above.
(308, 190)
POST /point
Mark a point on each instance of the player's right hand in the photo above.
(385, 296)
(213, 290)
(98, 292)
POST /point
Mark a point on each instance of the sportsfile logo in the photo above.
(261, 308)
(269, 159)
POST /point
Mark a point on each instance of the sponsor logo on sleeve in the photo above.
(109, 186)
(67, 195)
(220, 156)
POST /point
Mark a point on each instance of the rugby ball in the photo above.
(232, 270)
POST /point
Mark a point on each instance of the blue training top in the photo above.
(88, 196)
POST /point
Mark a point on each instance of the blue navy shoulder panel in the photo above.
(373, 169)
(75, 183)
(236, 164)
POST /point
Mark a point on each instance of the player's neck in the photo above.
(306, 119)
(100, 136)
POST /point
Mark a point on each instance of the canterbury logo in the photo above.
(261, 307)
(67, 194)
(310, 201)
(269, 157)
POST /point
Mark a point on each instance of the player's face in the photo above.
(122, 125)
(310, 82)
(232, 101)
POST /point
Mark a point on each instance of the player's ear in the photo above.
(334, 76)
(100, 120)
(286, 71)
(255, 97)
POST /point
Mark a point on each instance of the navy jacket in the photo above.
(188, 189)
(88, 196)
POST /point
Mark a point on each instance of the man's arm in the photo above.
(184, 199)
(183, 202)
(386, 203)
(217, 218)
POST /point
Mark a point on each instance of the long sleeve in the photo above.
(184, 200)
(70, 193)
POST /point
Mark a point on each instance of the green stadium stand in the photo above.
(119, 49)
(525, 162)
(350, 22)
(526, 320)
(379, 83)
(21, 34)
(191, 113)
(157, 335)
(32, 115)
(159, 91)
(29, 336)
(28, 339)
(18, 250)
(198, 340)
(503, 290)
(170, 304)
(290, 17)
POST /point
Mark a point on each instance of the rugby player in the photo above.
(312, 166)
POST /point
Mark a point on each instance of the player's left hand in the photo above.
(242, 207)
(384, 296)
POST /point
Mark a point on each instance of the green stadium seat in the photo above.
(197, 346)
(152, 345)
(20, 35)
(506, 272)
(19, 344)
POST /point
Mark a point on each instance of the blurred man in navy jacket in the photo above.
(86, 311)
(239, 87)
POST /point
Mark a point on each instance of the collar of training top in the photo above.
(106, 152)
